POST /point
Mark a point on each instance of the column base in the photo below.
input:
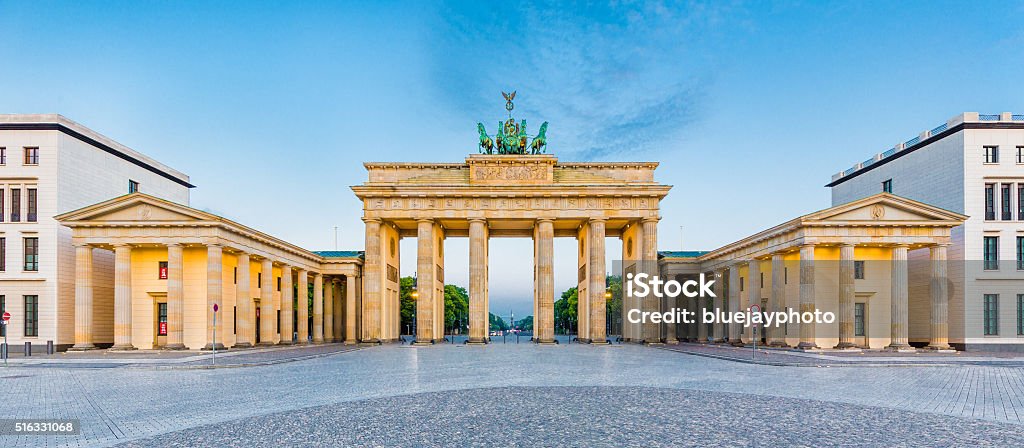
(544, 341)
(209, 347)
(807, 346)
(672, 341)
(243, 345)
(82, 347)
(423, 342)
(899, 348)
(736, 343)
(350, 342)
(329, 340)
(121, 348)
(845, 346)
(173, 347)
(718, 341)
(284, 342)
(318, 341)
(476, 341)
(266, 344)
(941, 348)
(779, 344)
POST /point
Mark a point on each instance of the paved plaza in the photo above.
(518, 394)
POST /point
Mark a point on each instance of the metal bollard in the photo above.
(28, 348)
(3, 351)
(49, 347)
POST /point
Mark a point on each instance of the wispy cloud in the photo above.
(610, 79)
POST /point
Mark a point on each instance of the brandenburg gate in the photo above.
(496, 195)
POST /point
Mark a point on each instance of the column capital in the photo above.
(777, 255)
(172, 244)
(422, 220)
(802, 245)
(300, 270)
(654, 219)
(118, 245)
(597, 219)
(369, 220)
(213, 245)
(540, 220)
(477, 219)
(81, 245)
(941, 245)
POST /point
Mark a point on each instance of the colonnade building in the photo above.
(126, 263)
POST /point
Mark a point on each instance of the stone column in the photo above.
(807, 296)
(478, 319)
(900, 297)
(598, 304)
(339, 310)
(846, 297)
(775, 334)
(702, 327)
(175, 298)
(302, 302)
(318, 308)
(425, 281)
(351, 283)
(122, 297)
(940, 299)
(287, 306)
(214, 295)
(243, 304)
(753, 296)
(373, 271)
(268, 317)
(83, 298)
(693, 304)
(735, 329)
(329, 310)
(545, 322)
(649, 263)
(717, 333)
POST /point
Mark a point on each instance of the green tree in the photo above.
(407, 304)
(566, 308)
(497, 323)
(525, 324)
(456, 308)
(614, 305)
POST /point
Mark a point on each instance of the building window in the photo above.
(991, 315)
(32, 205)
(1020, 154)
(991, 252)
(15, 205)
(32, 254)
(785, 275)
(133, 186)
(858, 319)
(31, 156)
(858, 270)
(762, 279)
(259, 279)
(1020, 314)
(1020, 253)
(161, 320)
(279, 284)
(1005, 203)
(3, 155)
(990, 202)
(31, 315)
(3, 254)
(2, 196)
(991, 154)
(1020, 201)
(3, 308)
(741, 284)
(234, 275)
(162, 270)
(887, 186)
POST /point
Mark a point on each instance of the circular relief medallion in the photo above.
(877, 211)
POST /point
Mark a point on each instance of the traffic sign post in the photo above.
(214, 346)
(755, 308)
(7, 348)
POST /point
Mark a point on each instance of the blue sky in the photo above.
(271, 107)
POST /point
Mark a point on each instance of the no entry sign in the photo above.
(7, 316)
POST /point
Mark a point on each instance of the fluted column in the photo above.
(214, 295)
(778, 300)
(717, 333)
(899, 296)
(268, 318)
(649, 263)
(598, 303)
(373, 267)
(175, 298)
(545, 329)
(693, 304)
(702, 327)
(339, 310)
(83, 298)
(939, 339)
(808, 339)
(328, 310)
(287, 306)
(735, 329)
(753, 295)
(122, 297)
(425, 282)
(478, 319)
(302, 304)
(846, 297)
(318, 308)
(243, 304)
(351, 283)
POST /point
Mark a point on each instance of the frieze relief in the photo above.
(517, 203)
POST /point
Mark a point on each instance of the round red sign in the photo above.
(7, 315)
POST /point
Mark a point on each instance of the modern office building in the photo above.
(49, 165)
(972, 164)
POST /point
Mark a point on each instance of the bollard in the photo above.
(3, 351)
(28, 348)
(49, 347)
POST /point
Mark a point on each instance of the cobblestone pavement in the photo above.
(120, 405)
(180, 359)
(612, 416)
(789, 357)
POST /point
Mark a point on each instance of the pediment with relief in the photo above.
(136, 208)
(885, 208)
